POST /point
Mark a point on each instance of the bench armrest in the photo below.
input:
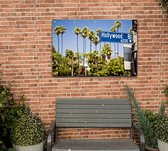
(141, 137)
(51, 134)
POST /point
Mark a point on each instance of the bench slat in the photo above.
(93, 113)
(89, 101)
(84, 106)
(96, 145)
(66, 120)
(93, 116)
(94, 125)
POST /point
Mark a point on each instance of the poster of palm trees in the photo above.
(94, 48)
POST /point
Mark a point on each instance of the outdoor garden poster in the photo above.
(94, 48)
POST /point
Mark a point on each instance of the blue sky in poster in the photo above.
(69, 38)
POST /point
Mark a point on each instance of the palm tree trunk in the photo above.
(58, 43)
(100, 47)
(77, 44)
(61, 44)
(77, 52)
(84, 56)
(83, 50)
(90, 46)
(95, 47)
(115, 49)
(110, 44)
(117, 46)
(72, 68)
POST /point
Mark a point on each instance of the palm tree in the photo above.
(106, 52)
(57, 32)
(113, 29)
(117, 25)
(62, 31)
(77, 32)
(91, 36)
(98, 34)
(70, 55)
(131, 30)
(96, 57)
(96, 41)
(84, 34)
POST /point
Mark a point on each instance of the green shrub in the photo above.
(161, 129)
(154, 125)
(28, 130)
(145, 120)
(152, 117)
(10, 111)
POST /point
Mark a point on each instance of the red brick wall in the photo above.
(25, 54)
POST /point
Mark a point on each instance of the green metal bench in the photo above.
(93, 113)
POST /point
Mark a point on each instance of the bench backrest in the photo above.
(88, 113)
